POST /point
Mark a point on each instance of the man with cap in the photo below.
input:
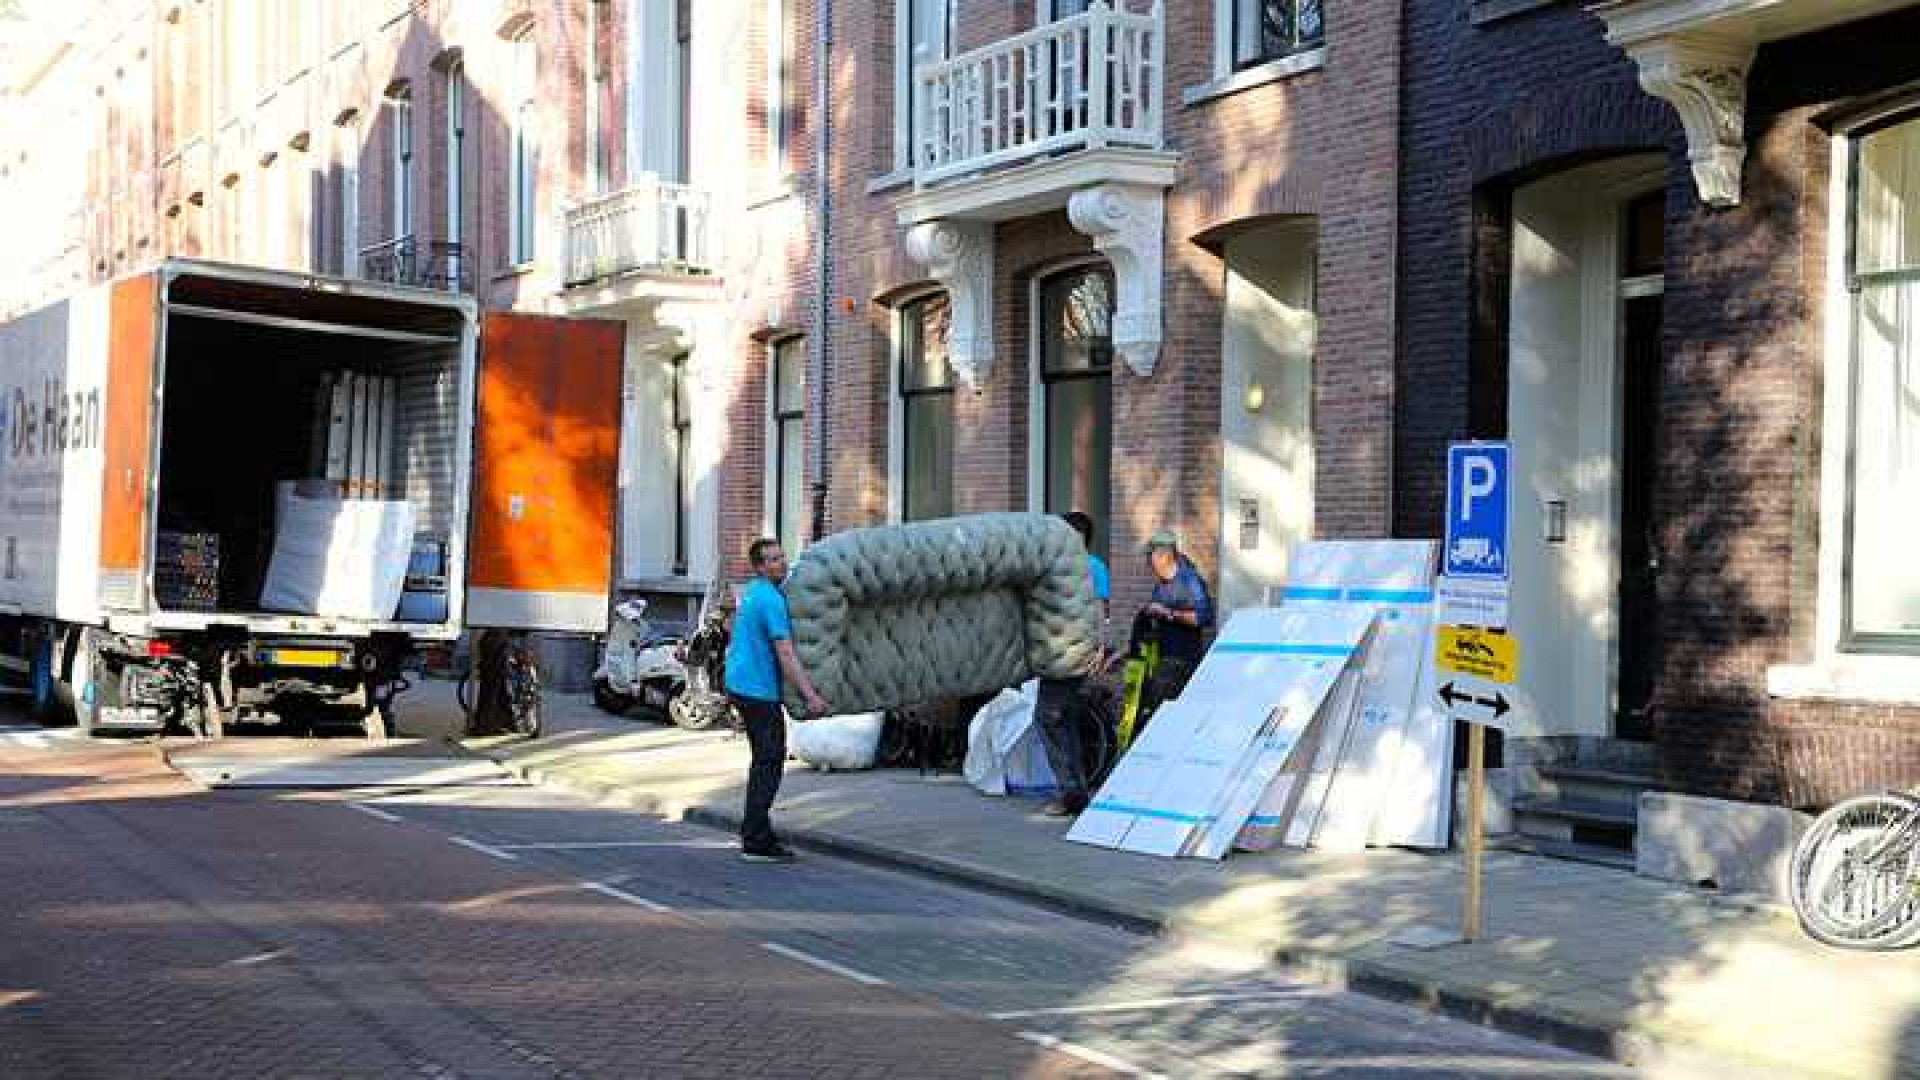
(1178, 616)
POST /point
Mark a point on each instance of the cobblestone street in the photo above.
(489, 928)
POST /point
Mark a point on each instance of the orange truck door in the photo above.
(545, 473)
(127, 444)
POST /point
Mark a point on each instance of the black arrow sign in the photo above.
(1498, 702)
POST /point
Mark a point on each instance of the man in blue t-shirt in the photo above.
(1059, 710)
(759, 654)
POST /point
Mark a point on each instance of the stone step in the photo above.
(1581, 821)
(1572, 850)
(1589, 786)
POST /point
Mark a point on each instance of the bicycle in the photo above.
(1855, 874)
(519, 703)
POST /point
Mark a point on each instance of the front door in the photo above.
(1640, 359)
(1584, 351)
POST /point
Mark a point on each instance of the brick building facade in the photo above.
(1286, 153)
(1713, 589)
(1168, 263)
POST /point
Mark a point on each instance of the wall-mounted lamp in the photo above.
(1554, 521)
(1256, 397)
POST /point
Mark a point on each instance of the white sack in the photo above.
(342, 558)
(1005, 755)
(837, 742)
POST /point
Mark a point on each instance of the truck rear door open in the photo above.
(545, 473)
(133, 329)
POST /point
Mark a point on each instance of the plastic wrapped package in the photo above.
(340, 558)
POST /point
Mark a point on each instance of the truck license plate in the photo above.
(304, 658)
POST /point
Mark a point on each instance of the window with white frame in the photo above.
(346, 166)
(1881, 580)
(779, 85)
(1256, 32)
(926, 409)
(456, 101)
(923, 33)
(599, 24)
(788, 398)
(400, 161)
(1076, 379)
(523, 155)
(680, 418)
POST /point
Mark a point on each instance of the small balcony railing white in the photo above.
(1087, 81)
(650, 225)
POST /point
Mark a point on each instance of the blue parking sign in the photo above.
(1476, 540)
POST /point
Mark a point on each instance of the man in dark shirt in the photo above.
(1178, 616)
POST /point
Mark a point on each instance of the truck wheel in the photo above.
(41, 680)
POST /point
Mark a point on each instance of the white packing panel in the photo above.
(1257, 693)
(1389, 781)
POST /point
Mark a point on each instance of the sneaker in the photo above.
(773, 852)
(1057, 808)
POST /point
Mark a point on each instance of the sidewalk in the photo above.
(1592, 958)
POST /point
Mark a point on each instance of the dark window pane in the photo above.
(928, 479)
(789, 373)
(923, 344)
(1079, 448)
(790, 499)
(1313, 30)
(1647, 234)
(1077, 322)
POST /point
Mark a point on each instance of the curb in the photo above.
(1330, 968)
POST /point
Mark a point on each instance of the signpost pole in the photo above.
(1471, 924)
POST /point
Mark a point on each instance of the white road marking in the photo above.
(597, 845)
(484, 849)
(1153, 1003)
(1088, 1054)
(827, 966)
(373, 811)
(626, 897)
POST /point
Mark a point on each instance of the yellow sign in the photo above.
(1480, 653)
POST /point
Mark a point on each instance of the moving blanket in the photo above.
(343, 558)
(906, 614)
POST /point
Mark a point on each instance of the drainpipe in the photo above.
(821, 384)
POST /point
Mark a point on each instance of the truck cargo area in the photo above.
(271, 394)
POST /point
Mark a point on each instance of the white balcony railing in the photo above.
(651, 225)
(1087, 81)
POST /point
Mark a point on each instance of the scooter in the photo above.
(640, 666)
(703, 704)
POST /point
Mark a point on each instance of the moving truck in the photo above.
(229, 492)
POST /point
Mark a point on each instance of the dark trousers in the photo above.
(1057, 715)
(767, 737)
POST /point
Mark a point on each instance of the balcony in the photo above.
(651, 227)
(402, 261)
(1066, 115)
(1087, 82)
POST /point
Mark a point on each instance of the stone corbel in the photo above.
(1705, 80)
(1127, 224)
(959, 255)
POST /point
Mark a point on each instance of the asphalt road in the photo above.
(155, 928)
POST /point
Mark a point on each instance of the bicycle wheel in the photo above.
(523, 693)
(1853, 875)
